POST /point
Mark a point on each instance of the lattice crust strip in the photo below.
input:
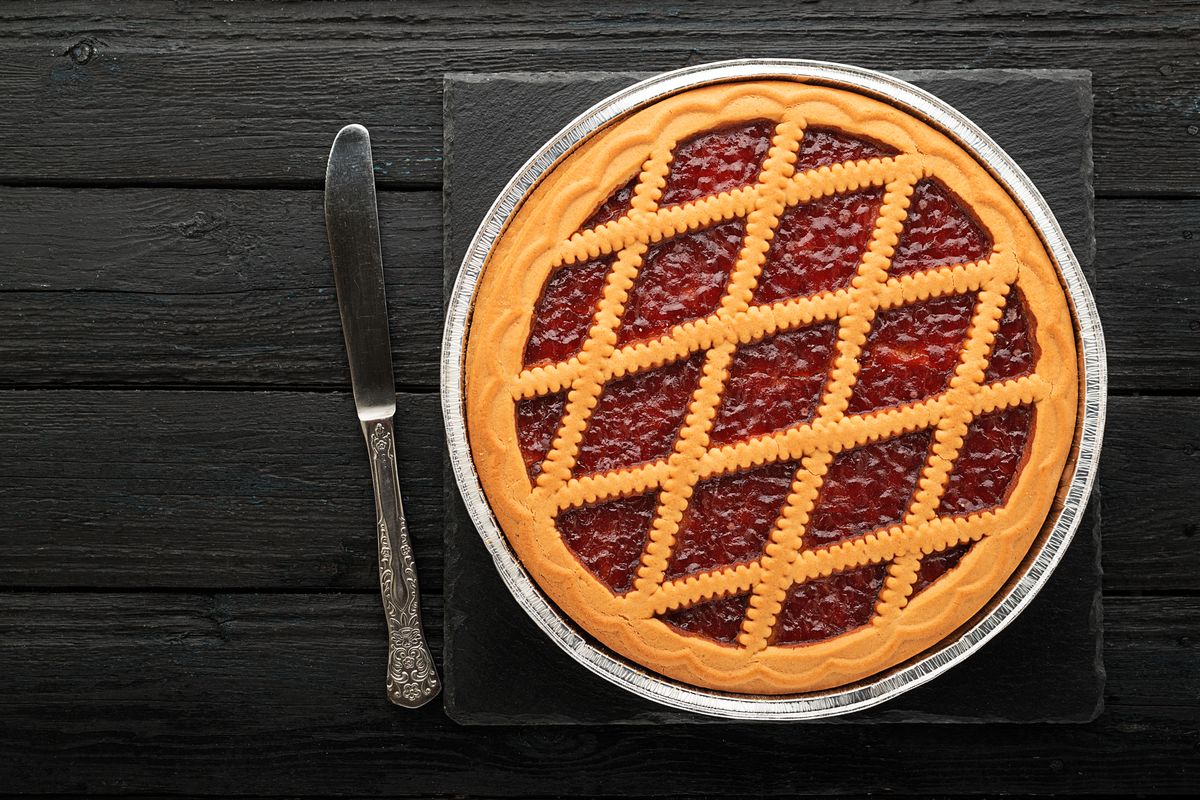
(785, 560)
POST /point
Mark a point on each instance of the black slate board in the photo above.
(500, 669)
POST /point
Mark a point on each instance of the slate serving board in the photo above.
(500, 669)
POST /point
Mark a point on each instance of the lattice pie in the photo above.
(770, 386)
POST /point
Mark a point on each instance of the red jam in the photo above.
(776, 383)
(717, 161)
(821, 147)
(867, 488)
(935, 565)
(818, 245)
(538, 419)
(719, 620)
(729, 518)
(638, 417)
(1012, 351)
(681, 279)
(911, 353)
(609, 537)
(564, 312)
(938, 232)
(828, 607)
(991, 454)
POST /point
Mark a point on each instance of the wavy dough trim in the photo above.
(538, 239)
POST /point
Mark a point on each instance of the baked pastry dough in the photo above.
(770, 386)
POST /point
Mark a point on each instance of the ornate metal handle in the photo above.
(412, 680)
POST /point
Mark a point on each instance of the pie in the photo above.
(770, 386)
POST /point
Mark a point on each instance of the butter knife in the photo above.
(352, 223)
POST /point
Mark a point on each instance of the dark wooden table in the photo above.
(188, 601)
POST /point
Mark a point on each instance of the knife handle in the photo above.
(412, 679)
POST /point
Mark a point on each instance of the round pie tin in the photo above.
(1057, 532)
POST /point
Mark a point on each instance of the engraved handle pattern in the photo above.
(412, 679)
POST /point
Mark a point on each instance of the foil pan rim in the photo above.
(917, 671)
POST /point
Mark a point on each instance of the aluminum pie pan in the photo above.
(1079, 475)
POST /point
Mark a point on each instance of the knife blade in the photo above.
(352, 225)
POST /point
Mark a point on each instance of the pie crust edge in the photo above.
(508, 290)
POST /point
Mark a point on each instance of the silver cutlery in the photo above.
(352, 223)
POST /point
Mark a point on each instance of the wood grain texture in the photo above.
(254, 490)
(198, 287)
(150, 685)
(364, 19)
(1148, 292)
(251, 94)
(206, 489)
(1149, 494)
(274, 694)
(137, 286)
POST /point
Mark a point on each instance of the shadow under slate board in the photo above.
(501, 669)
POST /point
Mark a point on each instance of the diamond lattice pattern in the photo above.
(880, 334)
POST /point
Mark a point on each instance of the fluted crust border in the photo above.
(541, 235)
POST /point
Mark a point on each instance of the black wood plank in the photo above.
(281, 694)
(246, 490)
(120, 748)
(147, 21)
(1148, 285)
(253, 96)
(1151, 498)
(205, 489)
(181, 287)
(174, 287)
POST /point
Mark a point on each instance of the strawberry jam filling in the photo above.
(1012, 355)
(681, 279)
(817, 246)
(729, 518)
(821, 147)
(538, 419)
(719, 620)
(935, 565)
(991, 455)
(620, 435)
(938, 232)
(717, 161)
(609, 537)
(911, 353)
(775, 383)
(867, 488)
(564, 312)
(828, 607)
